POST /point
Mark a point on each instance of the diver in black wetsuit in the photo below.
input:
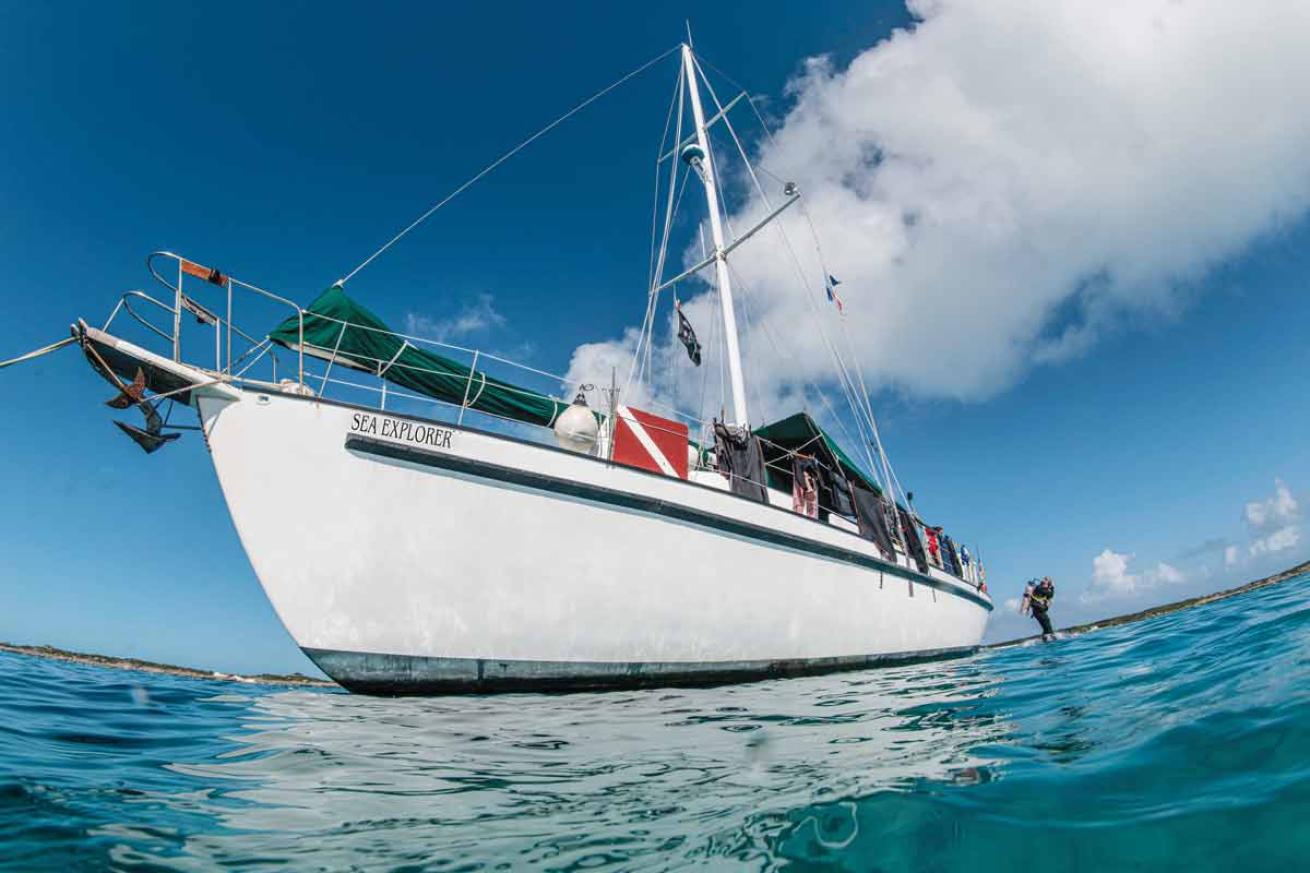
(1039, 601)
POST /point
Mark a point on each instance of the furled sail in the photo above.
(338, 328)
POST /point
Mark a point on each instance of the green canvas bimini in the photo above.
(336, 327)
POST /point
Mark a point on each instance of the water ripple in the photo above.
(1180, 742)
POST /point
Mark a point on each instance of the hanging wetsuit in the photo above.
(913, 543)
(805, 485)
(934, 545)
(873, 520)
(835, 491)
(741, 460)
(950, 557)
(1040, 603)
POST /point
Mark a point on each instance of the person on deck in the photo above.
(1039, 601)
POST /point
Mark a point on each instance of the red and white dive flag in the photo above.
(650, 442)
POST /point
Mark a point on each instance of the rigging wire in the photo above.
(818, 392)
(863, 394)
(716, 347)
(646, 335)
(642, 354)
(852, 385)
(785, 351)
(864, 406)
(800, 271)
(753, 385)
(705, 371)
(505, 157)
(646, 338)
(844, 379)
(655, 201)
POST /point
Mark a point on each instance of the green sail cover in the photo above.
(338, 327)
(799, 432)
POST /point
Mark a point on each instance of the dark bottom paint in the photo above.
(397, 675)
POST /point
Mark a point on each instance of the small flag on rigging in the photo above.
(686, 335)
(831, 287)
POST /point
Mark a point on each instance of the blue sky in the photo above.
(284, 142)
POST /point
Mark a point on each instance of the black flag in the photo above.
(687, 336)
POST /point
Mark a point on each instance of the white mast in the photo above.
(706, 167)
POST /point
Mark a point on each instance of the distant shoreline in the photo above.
(301, 680)
(1165, 609)
(141, 666)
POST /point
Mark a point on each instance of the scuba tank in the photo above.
(1025, 605)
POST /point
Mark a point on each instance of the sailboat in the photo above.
(425, 525)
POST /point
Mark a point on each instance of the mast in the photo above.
(705, 164)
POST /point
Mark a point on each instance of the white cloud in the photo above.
(1273, 512)
(1273, 526)
(1004, 182)
(1274, 540)
(481, 315)
(1110, 575)
(1167, 574)
(1274, 523)
(1280, 540)
(1111, 578)
(677, 382)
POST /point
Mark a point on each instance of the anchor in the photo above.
(134, 394)
(149, 442)
(153, 436)
(130, 394)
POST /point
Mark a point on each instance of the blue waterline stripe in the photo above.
(646, 505)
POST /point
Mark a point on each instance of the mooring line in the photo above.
(36, 353)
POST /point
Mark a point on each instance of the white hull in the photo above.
(408, 556)
(414, 556)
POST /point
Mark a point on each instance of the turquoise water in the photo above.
(1178, 743)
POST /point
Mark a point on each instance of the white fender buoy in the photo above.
(576, 428)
